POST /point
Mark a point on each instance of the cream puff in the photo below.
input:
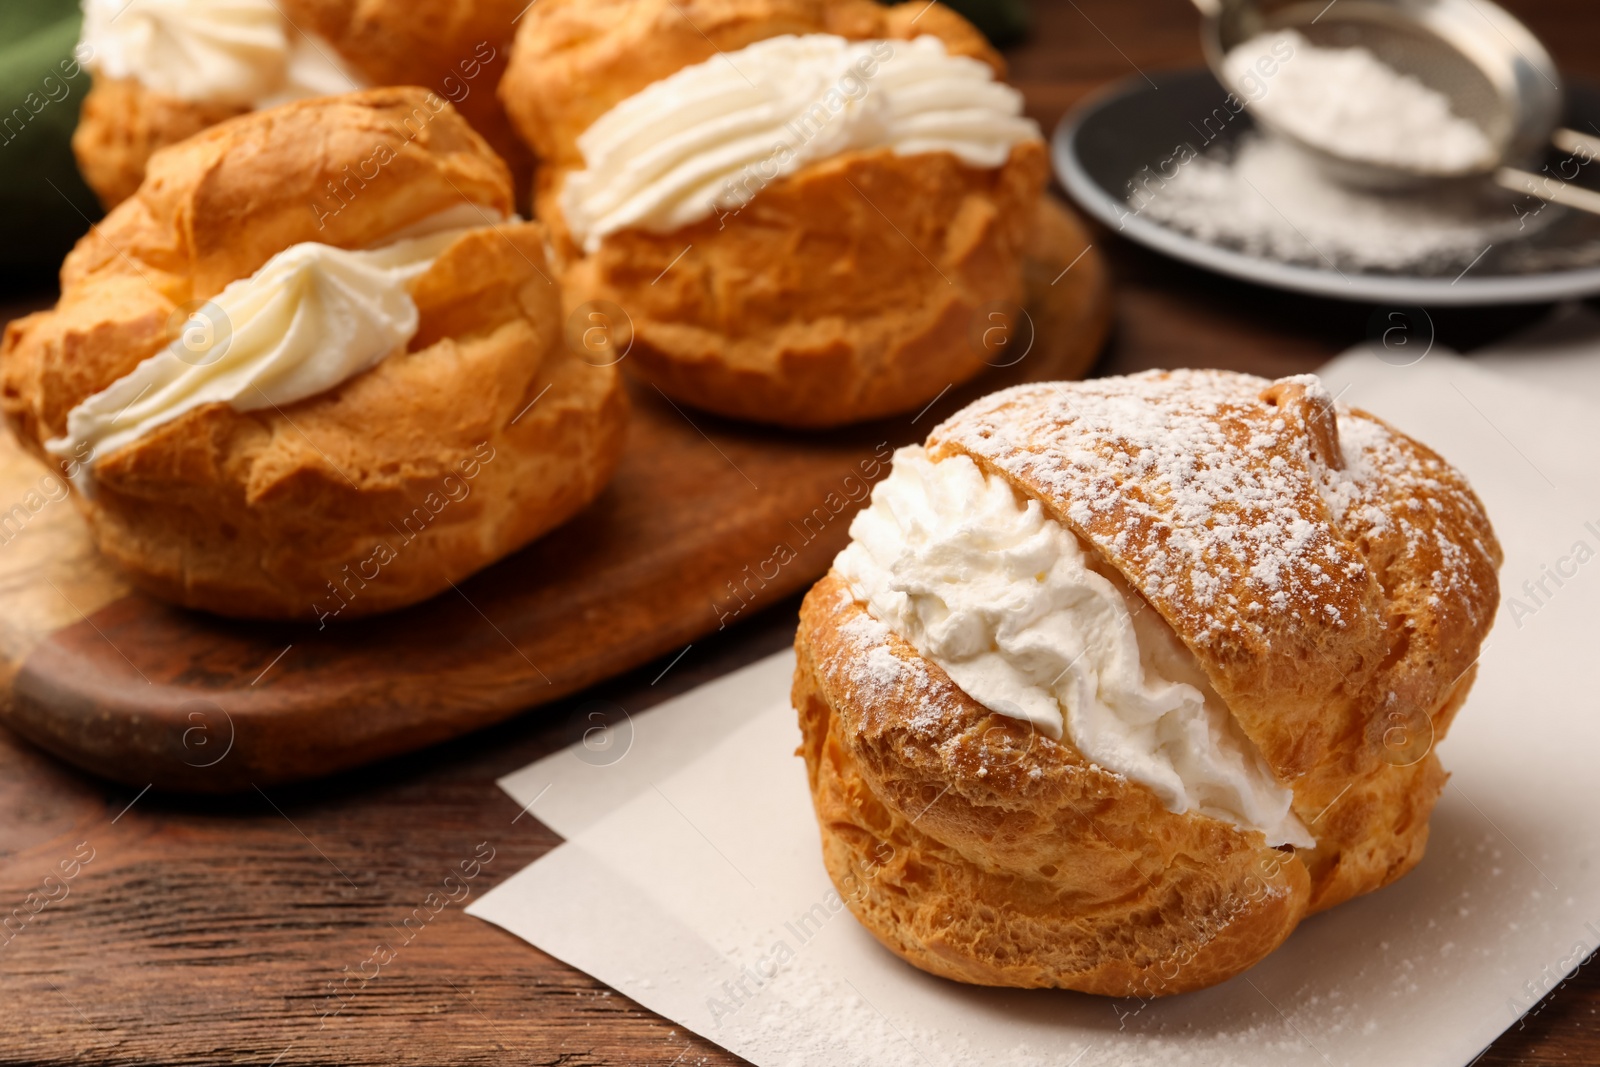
(1120, 680)
(801, 205)
(166, 69)
(277, 402)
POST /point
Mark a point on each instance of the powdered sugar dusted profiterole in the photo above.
(1120, 680)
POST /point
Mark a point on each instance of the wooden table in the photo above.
(215, 931)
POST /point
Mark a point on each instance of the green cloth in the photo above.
(1002, 21)
(44, 204)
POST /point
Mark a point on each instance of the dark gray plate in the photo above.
(1107, 140)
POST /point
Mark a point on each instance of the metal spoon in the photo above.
(1494, 70)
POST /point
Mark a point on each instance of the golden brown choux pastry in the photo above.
(844, 289)
(200, 71)
(472, 436)
(1319, 581)
(574, 60)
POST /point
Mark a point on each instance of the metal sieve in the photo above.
(1493, 69)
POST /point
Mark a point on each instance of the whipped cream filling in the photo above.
(312, 317)
(1014, 609)
(708, 138)
(239, 52)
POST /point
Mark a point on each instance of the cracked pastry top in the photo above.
(1127, 677)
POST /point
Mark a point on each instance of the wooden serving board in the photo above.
(706, 522)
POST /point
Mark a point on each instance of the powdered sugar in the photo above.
(883, 668)
(1419, 490)
(1349, 103)
(1264, 197)
(1170, 452)
(1226, 518)
(877, 674)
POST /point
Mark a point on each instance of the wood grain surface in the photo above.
(215, 931)
(706, 522)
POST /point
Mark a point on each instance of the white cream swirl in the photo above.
(312, 317)
(1008, 602)
(313, 68)
(713, 135)
(238, 52)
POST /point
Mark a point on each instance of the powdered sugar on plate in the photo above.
(1264, 197)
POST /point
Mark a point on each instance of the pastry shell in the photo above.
(844, 292)
(983, 851)
(414, 474)
(457, 49)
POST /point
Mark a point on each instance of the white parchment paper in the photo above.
(692, 881)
